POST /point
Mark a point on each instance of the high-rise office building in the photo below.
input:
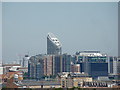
(110, 64)
(48, 65)
(116, 67)
(61, 63)
(93, 62)
(25, 61)
(54, 46)
(57, 64)
(36, 66)
(32, 67)
(66, 62)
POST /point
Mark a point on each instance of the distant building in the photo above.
(75, 68)
(54, 46)
(23, 69)
(48, 65)
(25, 61)
(11, 78)
(57, 64)
(70, 80)
(36, 67)
(42, 65)
(112, 65)
(32, 84)
(74, 59)
(10, 67)
(66, 62)
(116, 69)
(93, 62)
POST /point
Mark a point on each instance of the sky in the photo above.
(0, 33)
(60, 0)
(79, 26)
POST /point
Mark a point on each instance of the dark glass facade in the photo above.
(98, 69)
(111, 65)
(93, 65)
(39, 70)
(66, 62)
(57, 64)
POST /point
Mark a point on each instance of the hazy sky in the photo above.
(79, 26)
(0, 32)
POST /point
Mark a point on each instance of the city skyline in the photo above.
(79, 27)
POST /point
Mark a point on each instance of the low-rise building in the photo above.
(70, 80)
(10, 77)
(23, 69)
(37, 84)
(10, 67)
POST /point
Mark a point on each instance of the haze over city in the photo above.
(78, 26)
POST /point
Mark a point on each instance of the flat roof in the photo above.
(38, 83)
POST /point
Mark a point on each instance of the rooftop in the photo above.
(11, 65)
(38, 83)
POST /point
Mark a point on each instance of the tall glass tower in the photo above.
(54, 46)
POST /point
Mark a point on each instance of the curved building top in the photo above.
(55, 40)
